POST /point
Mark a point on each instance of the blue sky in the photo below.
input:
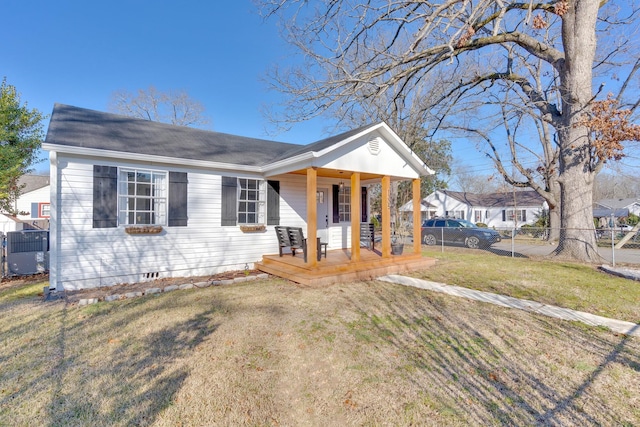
(79, 52)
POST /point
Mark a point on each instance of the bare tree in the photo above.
(174, 107)
(355, 50)
(618, 185)
(468, 181)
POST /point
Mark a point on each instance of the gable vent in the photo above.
(375, 145)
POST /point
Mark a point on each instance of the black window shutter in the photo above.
(177, 199)
(105, 196)
(524, 215)
(273, 202)
(336, 201)
(229, 200)
(363, 214)
(504, 215)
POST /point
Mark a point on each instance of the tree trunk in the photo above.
(577, 237)
(576, 177)
(554, 224)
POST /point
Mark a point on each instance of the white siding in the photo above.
(23, 204)
(445, 204)
(495, 217)
(92, 257)
(8, 224)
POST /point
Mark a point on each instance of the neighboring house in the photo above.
(619, 207)
(427, 210)
(497, 210)
(32, 205)
(33, 202)
(134, 200)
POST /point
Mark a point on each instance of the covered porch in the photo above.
(349, 164)
(357, 261)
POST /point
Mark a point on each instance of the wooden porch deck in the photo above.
(337, 266)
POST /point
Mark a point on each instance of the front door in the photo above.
(322, 206)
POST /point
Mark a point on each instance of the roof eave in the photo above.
(146, 158)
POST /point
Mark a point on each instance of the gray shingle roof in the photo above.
(32, 182)
(323, 143)
(507, 199)
(618, 203)
(80, 127)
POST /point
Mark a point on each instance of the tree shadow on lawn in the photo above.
(136, 375)
(508, 368)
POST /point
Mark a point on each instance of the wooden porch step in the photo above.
(336, 270)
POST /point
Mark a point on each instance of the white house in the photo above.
(33, 202)
(32, 205)
(135, 200)
(426, 210)
(497, 210)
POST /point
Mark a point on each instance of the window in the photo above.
(344, 204)
(478, 216)
(519, 215)
(142, 197)
(44, 210)
(251, 201)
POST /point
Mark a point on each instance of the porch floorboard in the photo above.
(337, 267)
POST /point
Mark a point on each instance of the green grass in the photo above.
(570, 285)
(13, 293)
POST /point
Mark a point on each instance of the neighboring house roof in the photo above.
(605, 212)
(494, 200)
(32, 182)
(79, 131)
(617, 203)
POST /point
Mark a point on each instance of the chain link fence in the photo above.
(614, 245)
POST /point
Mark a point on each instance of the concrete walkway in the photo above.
(619, 326)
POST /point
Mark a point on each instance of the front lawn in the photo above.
(272, 353)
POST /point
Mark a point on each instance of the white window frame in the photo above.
(252, 201)
(136, 204)
(515, 214)
(344, 204)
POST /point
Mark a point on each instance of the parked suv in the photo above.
(457, 232)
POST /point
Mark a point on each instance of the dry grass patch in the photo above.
(271, 353)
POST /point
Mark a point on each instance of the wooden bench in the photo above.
(293, 238)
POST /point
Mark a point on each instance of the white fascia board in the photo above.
(302, 161)
(146, 158)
